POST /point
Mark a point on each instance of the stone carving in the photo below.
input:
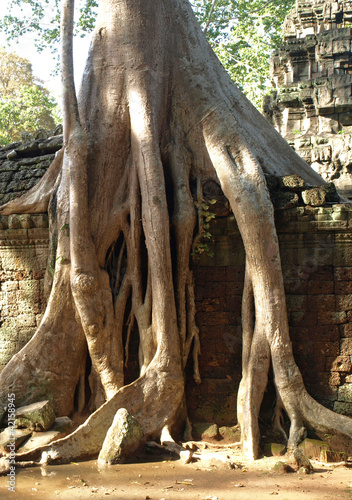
(312, 76)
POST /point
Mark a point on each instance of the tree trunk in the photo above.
(157, 114)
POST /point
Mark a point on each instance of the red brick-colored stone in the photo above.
(346, 330)
(344, 302)
(303, 318)
(343, 273)
(338, 364)
(317, 287)
(343, 287)
(328, 348)
(321, 302)
(346, 347)
(296, 302)
(331, 317)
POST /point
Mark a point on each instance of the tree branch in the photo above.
(212, 8)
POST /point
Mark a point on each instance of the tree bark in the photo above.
(156, 115)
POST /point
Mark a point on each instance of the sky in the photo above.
(44, 64)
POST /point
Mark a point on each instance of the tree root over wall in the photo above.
(156, 118)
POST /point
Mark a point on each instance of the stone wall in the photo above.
(316, 251)
(23, 164)
(312, 76)
(23, 258)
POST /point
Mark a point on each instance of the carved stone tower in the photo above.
(312, 76)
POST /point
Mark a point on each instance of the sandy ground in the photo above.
(172, 480)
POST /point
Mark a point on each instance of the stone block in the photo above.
(293, 182)
(321, 302)
(346, 330)
(62, 424)
(230, 434)
(38, 233)
(205, 431)
(215, 274)
(296, 286)
(314, 197)
(345, 393)
(343, 273)
(301, 318)
(328, 348)
(339, 363)
(213, 290)
(36, 416)
(283, 200)
(37, 440)
(296, 302)
(210, 305)
(211, 319)
(316, 287)
(274, 449)
(27, 320)
(331, 317)
(312, 448)
(343, 254)
(11, 435)
(346, 347)
(344, 302)
(343, 287)
(124, 438)
(343, 407)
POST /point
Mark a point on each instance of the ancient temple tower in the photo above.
(312, 76)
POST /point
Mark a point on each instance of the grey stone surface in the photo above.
(314, 197)
(202, 430)
(62, 424)
(312, 75)
(11, 435)
(123, 439)
(38, 439)
(23, 164)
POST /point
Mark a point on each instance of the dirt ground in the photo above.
(169, 479)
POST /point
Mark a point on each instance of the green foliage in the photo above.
(200, 244)
(42, 17)
(24, 104)
(243, 33)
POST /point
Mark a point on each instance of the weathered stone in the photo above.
(62, 424)
(331, 456)
(282, 468)
(205, 431)
(284, 200)
(230, 434)
(314, 197)
(332, 195)
(312, 448)
(272, 181)
(274, 449)
(37, 416)
(343, 407)
(11, 436)
(294, 182)
(345, 393)
(37, 440)
(339, 364)
(302, 461)
(312, 75)
(124, 438)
